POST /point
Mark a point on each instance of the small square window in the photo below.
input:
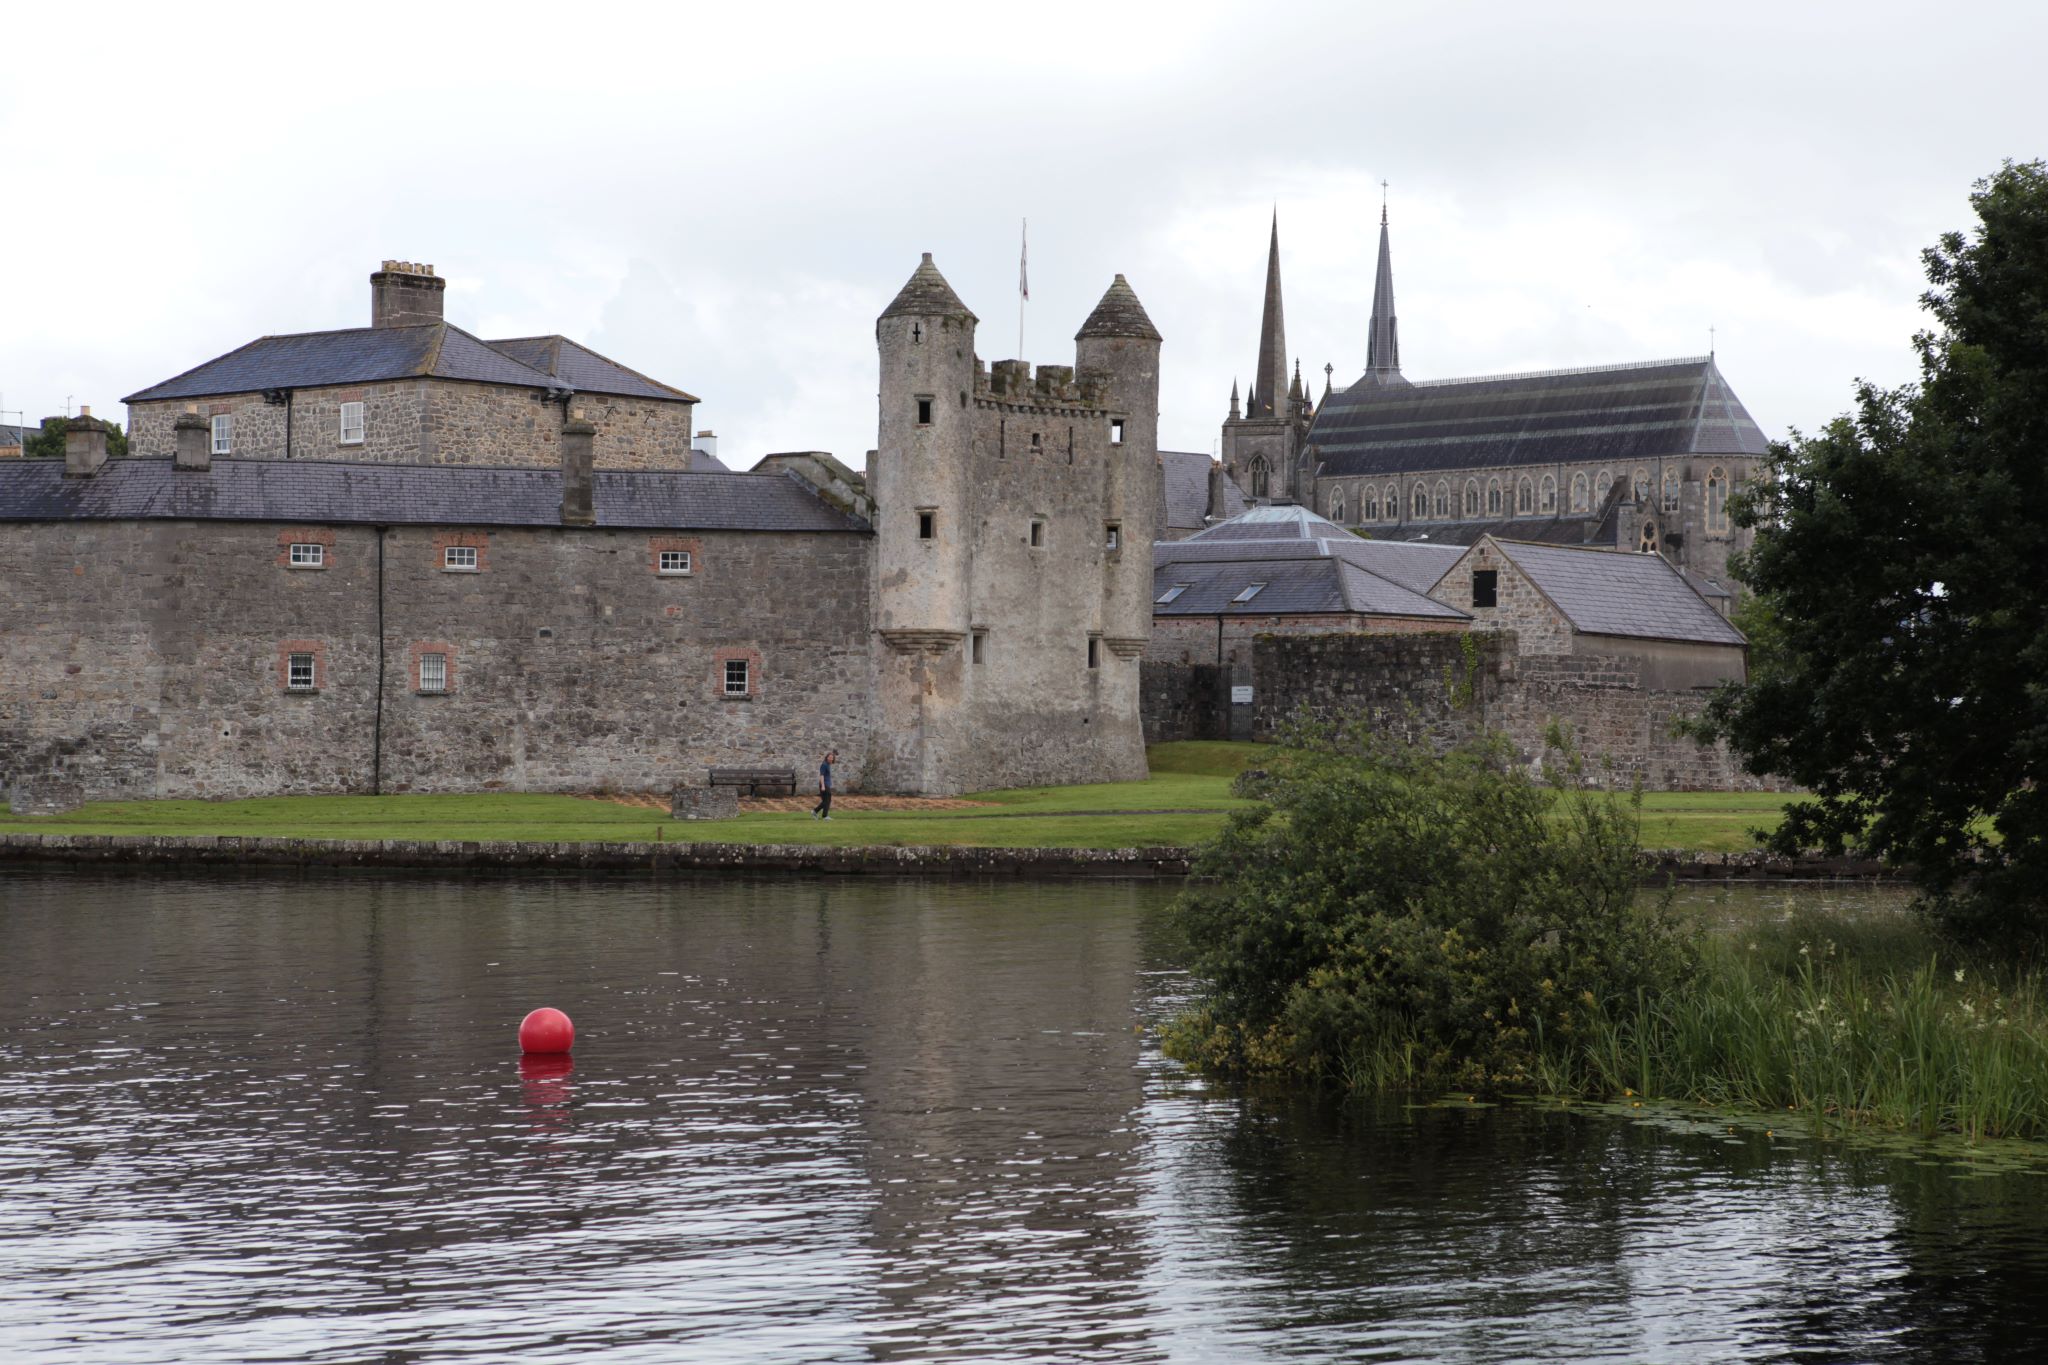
(736, 677)
(223, 433)
(1113, 537)
(299, 676)
(1116, 431)
(1485, 587)
(924, 412)
(1038, 534)
(927, 523)
(979, 647)
(308, 556)
(1036, 443)
(675, 562)
(1171, 594)
(351, 424)
(461, 558)
(1094, 651)
(433, 672)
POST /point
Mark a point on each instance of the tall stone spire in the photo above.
(1233, 401)
(1270, 379)
(1383, 343)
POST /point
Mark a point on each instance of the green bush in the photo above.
(1389, 915)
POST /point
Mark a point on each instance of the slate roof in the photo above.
(1293, 586)
(1609, 414)
(927, 294)
(1605, 593)
(1283, 521)
(578, 367)
(1119, 314)
(354, 355)
(1187, 490)
(341, 493)
(13, 436)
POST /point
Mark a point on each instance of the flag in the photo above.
(1024, 262)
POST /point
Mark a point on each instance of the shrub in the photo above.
(1393, 915)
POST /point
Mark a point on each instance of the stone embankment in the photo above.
(88, 850)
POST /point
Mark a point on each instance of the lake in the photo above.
(257, 1118)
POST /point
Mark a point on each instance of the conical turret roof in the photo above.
(927, 294)
(1119, 315)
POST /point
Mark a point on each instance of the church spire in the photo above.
(1233, 400)
(1270, 380)
(1383, 343)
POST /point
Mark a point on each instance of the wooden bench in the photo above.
(757, 781)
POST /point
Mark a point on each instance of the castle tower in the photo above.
(1014, 517)
(1262, 449)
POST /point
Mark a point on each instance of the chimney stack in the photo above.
(1216, 504)
(707, 441)
(578, 449)
(85, 445)
(195, 440)
(404, 293)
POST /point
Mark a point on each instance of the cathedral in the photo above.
(1637, 457)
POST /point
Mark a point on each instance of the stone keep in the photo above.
(1014, 517)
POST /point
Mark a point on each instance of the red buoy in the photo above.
(546, 1031)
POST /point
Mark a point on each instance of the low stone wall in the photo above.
(704, 803)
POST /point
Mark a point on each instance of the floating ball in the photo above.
(546, 1030)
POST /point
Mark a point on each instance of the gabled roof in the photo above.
(1604, 593)
(578, 367)
(1609, 414)
(338, 493)
(354, 355)
(1187, 490)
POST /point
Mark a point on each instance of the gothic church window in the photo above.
(1717, 501)
(1525, 496)
(1393, 506)
(1418, 503)
(1443, 499)
(1472, 497)
(1493, 503)
(1579, 491)
(1549, 493)
(1647, 543)
(1671, 490)
(1371, 507)
(1603, 488)
(1259, 476)
(1640, 486)
(1337, 506)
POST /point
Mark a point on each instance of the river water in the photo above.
(284, 1118)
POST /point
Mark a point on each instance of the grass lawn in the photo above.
(1181, 803)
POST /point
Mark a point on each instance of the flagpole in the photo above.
(1023, 280)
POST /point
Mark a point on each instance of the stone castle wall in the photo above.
(147, 659)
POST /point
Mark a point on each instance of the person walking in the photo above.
(823, 810)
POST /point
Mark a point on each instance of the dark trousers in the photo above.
(824, 806)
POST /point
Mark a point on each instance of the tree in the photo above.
(1899, 554)
(48, 443)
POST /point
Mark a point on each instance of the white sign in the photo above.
(1240, 696)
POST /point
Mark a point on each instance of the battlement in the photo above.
(1012, 383)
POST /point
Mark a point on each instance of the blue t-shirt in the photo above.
(825, 776)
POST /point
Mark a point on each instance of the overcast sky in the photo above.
(724, 197)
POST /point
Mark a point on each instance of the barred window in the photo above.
(351, 424)
(308, 556)
(675, 561)
(433, 672)
(459, 557)
(736, 680)
(299, 673)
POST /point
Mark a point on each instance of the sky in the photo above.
(724, 197)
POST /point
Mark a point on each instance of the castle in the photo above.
(1633, 457)
(404, 558)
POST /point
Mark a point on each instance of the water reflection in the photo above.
(285, 1117)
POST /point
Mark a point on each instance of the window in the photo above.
(305, 556)
(736, 679)
(1247, 595)
(978, 647)
(351, 424)
(927, 523)
(1443, 499)
(459, 558)
(1393, 503)
(223, 433)
(1094, 651)
(1549, 493)
(1116, 431)
(1647, 543)
(1418, 503)
(433, 672)
(1525, 496)
(1640, 486)
(1485, 587)
(298, 675)
(1472, 497)
(1113, 537)
(1717, 501)
(1337, 505)
(1170, 595)
(924, 412)
(1671, 490)
(674, 562)
(1260, 478)
(1037, 445)
(1493, 503)
(1371, 510)
(1037, 533)
(1602, 488)
(1579, 491)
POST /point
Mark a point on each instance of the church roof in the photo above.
(1119, 314)
(584, 370)
(926, 294)
(340, 493)
(352, 355)
(1604, 593)
(1186, 474)
(1608, 414)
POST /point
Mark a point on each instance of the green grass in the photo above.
(1183, 802)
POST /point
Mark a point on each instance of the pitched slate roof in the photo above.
(1282, 521)
(1604, 593)
(341, 493)
(354, 355)
(1608, 414)
(1187, 490)
(584, 370)
(1308, 563)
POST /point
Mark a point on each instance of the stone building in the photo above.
(1635, 457)
(413, 388)
(458, 614)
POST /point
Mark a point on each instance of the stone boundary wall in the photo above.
(145, 851)
(1181, 701)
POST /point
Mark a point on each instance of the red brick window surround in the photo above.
(428, 656)
(733, 666)
(293, 658)
(675, 556)
(315, 547)
(472, 551)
